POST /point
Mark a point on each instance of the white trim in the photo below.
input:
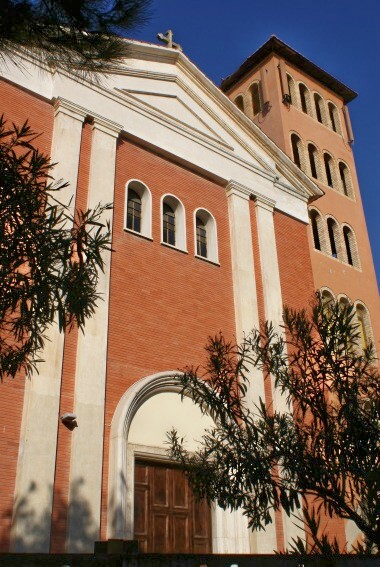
(211, 235)
(180, 225)
(145, 195)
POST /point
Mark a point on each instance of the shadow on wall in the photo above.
(34, 526)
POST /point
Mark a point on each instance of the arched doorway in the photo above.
(144, 414)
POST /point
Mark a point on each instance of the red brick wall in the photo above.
(164, 303)
(17, 106)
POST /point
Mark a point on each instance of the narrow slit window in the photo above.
(296, 149)
(256, 101)
(134, 211)
(303, 95)
(346, 234)
(313, 160)
(318, 108)
(344, 178)
(333, 118)
(329, 178)
(168, 227)
(331, 226)
(314, 218)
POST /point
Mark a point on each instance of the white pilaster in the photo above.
(38, 438)
(273, 307)
(90, 378)
(246, 318)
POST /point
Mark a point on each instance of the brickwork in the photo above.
(17, 105)
(164, 303)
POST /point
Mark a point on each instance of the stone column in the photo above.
(246, 319)
(273, 307)
(38, 438)
(90, 378)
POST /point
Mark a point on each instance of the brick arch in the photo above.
(350, 246)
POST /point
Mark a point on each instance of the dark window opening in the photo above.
(332, 118)
(313, 165)
(346, 234)
(318, 110)
(314, 226)
(330, 227)
(295, 147)
(201, 239)
(239, 103)
(303, 98)
(134, 211)
(327, 161)
(168, 225)
(343, 178)
(256, 102)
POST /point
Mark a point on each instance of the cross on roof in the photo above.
(168, 39)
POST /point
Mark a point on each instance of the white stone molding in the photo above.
(38, 439)
(229, 529)
(90, 375)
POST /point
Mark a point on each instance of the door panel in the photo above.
(168, 519)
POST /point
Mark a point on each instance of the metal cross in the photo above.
(168, 39)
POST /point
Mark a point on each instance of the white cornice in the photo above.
(69, 108)
(235, 188)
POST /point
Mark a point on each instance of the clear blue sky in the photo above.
(341, 36)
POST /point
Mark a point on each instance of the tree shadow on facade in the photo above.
(33, 528)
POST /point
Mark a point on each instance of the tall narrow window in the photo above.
(134, 211)
(364, 325)
(296, 147)
(315, 227)
(256, 101)
(239, 101)
(292, 90)
(304, 96)
(319, 108)
(332, 230)
(334, 119)
(201, 238)
(313, 160)
(328, 163)
(345, 179)
(346, 234)
(168, 225)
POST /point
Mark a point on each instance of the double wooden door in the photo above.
(167, 517)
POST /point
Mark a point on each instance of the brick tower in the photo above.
(304, 111)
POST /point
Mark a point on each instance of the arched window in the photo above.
(239, 101)
(364, 325)
(168, 225)
(332, 228)
(305, 98)
(328, 169)
(292, 90)
(317, 229)
(345, 179)
(313, 160)
(297, 150)
(256, 99)
(319, 108)
(351, 247)
(205, 235)
(327, 297)
(173, 222)
(138, 208)
(334, 117)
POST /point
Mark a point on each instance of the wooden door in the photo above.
(167, 517)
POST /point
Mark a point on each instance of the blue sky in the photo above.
(341, 36)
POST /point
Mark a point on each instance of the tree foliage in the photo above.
(49, 260)
(322, 449)
(83, 35)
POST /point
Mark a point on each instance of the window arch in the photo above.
(351, 248)
(345, 179)
(305, 98)
(333, 232)
(205, 244)
(319, 108)
(313, 161)
(364, 325)
(329, 170)
(173, 226)
(292, 90)
(327, 296)
(256, 98)
(334, 117)
(297, 149)
(317, 229)
(138, 208)
(239, 101)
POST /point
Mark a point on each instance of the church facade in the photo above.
(211, 231)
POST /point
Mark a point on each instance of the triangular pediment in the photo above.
(174, 107)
